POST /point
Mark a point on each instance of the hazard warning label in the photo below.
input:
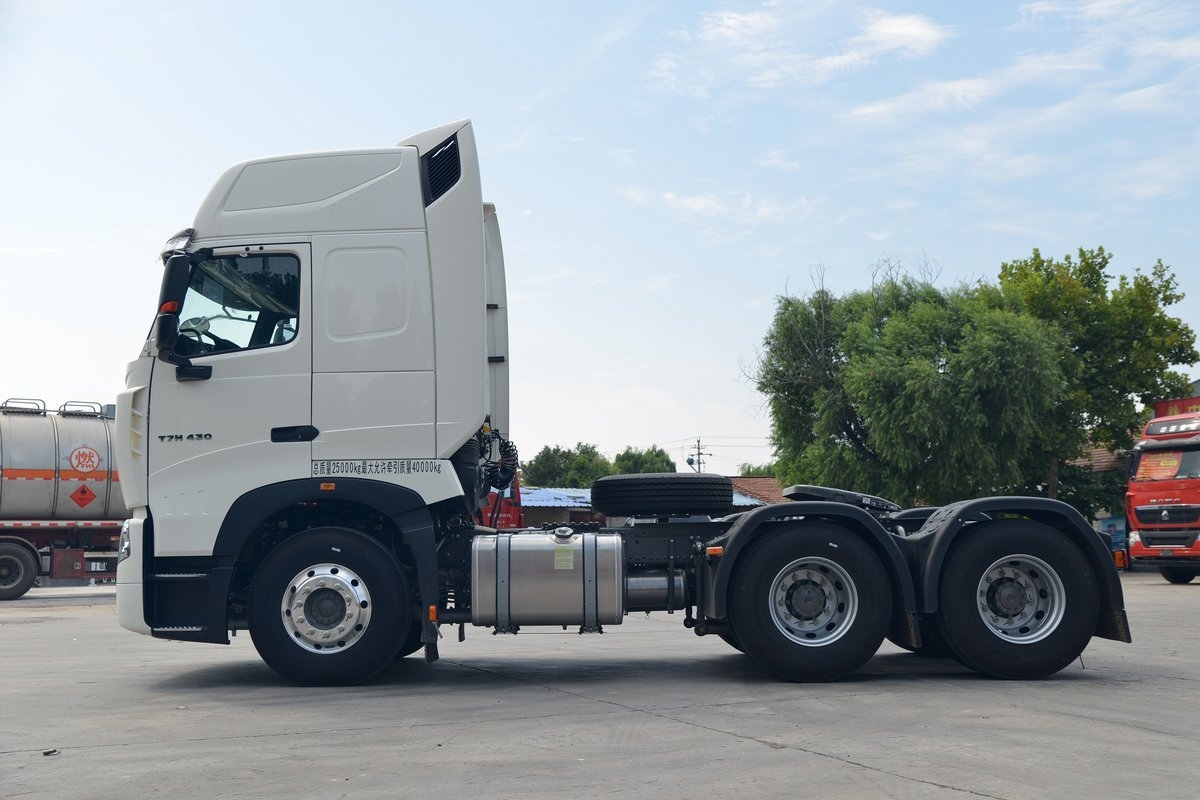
(82, 496)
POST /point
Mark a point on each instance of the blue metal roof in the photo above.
(556, 498)
(533, 497)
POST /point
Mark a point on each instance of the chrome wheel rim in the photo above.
(326, 609)
(1021, 599)
(813, 601)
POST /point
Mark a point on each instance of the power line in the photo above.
(697, 463)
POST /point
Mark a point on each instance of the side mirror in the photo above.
(166, 334)
(166, 326)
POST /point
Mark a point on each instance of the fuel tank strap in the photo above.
(590, 621)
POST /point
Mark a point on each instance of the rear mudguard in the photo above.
(752, 524)
(928, 548)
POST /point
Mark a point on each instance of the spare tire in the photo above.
(660, 494)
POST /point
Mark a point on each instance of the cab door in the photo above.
(247, 423)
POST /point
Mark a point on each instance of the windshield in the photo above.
(1165, 465)
(240, 302)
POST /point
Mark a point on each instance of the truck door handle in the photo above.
(294, 433)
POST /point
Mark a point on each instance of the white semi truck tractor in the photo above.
(309, 433)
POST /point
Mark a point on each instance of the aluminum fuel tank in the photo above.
(547, 578)
(57, 466)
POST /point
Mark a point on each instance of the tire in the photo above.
(18, 571)
(1017, 600)
(932, 643)
(810, 602)
(412, 642)
(354, 598)
(1177, 574)
(663, 494)
(730, 638)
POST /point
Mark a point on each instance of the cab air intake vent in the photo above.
(440, 170)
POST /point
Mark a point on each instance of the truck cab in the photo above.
(260, 394)
(1162, 500)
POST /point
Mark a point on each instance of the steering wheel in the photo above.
(197, 330)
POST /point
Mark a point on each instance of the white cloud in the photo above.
(774, 159)
(743, 209)
(625, 157)
(699, 205)
(908, 35)
(744, 30)
(6, 250)
(729, 51)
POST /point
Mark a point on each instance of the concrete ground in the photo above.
(88, 710)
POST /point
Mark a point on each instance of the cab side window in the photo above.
(239, 303)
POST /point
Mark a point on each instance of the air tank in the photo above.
(58, 465)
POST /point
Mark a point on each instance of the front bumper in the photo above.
(131, 612)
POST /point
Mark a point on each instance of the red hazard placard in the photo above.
(82, 496)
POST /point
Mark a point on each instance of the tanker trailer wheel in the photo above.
(810, 602)
(1017, 599)
(329, 606)
(18, 571)
(1177, 574)
(660, 494)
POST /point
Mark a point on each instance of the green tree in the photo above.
(635, 461)
(908, 391)
(1121, 345)
(748, 470)
(577, 467)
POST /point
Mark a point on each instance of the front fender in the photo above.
(404, 506)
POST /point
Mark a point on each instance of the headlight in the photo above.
(123, 546)
(1134, 538)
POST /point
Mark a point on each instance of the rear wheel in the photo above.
(1017, 599)
(18, 571)
(810, 602)
(1178, 574)
(329, 606)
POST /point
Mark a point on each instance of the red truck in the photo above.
(1162, 500)
(61, 507)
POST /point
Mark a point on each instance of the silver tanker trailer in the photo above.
(61, 507)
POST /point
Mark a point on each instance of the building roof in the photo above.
(1101, 460)
(766, 490)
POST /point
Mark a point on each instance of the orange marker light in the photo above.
(714, 552)
(433, 613)
(170, 307)
(327, 487)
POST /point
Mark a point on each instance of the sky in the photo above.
(663, 171)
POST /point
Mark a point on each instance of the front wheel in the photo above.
(810, 602)
(1017, 599)
(1178, 574)
(329, 606)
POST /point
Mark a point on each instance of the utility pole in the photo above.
(697, 463)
